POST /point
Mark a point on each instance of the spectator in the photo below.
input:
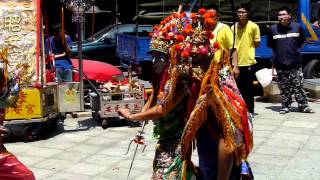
(223, 35)
(286, 39)
(247, 38)
(169, 118)
(61, 49)
(316, 22)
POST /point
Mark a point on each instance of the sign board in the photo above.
(69, 97)
(28, 106)
(18, 33)
(110, 108)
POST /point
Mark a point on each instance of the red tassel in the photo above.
(242, 110)
(195, 89)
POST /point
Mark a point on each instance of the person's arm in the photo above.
(154, 112)
(228, 40)
(3, 130)
(57, 56)
(68, 45)
(256, 44)
(46, 46)
(316, 24)
(235, 68)
(66, 49)
(148, 104)
(302, 38)
(256, 36)
(270, 39)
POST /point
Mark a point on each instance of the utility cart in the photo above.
(109, 98)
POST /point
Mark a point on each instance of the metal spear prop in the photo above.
(138, 140)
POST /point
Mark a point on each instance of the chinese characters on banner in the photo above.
(22, 105)
(28, 105)
(18, 32)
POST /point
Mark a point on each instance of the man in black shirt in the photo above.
(286, 39)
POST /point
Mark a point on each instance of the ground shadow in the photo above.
(274, 108)
(263, 99)
(55, 127)
(278, 108)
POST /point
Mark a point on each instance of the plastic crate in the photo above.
(132, 48)
(263, 51)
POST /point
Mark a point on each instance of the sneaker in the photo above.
(251, 116)
(284, 110)
(306, 109)
(290, 108)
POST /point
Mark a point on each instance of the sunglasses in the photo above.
(279, 15)
(241, 12)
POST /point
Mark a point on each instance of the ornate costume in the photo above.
(194, 88)
(180, 37)
(221, 113)
(10, 84)
(210, 90)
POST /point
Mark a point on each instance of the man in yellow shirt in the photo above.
(247, 39)
(224, 36)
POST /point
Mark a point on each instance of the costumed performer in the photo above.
(10, 84)
(170, 100)
(219, 121)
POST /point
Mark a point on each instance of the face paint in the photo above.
(159, 62)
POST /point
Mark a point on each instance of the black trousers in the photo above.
(291, 83)
(245, 85)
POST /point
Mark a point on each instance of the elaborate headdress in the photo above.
(164, 34)
(188, 37)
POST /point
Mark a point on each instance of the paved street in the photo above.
(287, 147)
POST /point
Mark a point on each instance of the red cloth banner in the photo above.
(12, 169)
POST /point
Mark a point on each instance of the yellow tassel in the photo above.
(184, 170)
(195, 121)
(4, 59)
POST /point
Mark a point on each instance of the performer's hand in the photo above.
(236, 72)
(125, 113)
(3, 130)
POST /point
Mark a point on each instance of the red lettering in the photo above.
(108, 109)
(117, 107)
(30, 108)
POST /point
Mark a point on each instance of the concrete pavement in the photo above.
(286, 147)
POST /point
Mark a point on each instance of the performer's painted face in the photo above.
(159, 62)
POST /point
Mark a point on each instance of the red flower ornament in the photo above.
(179, 38)
(202, 11)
